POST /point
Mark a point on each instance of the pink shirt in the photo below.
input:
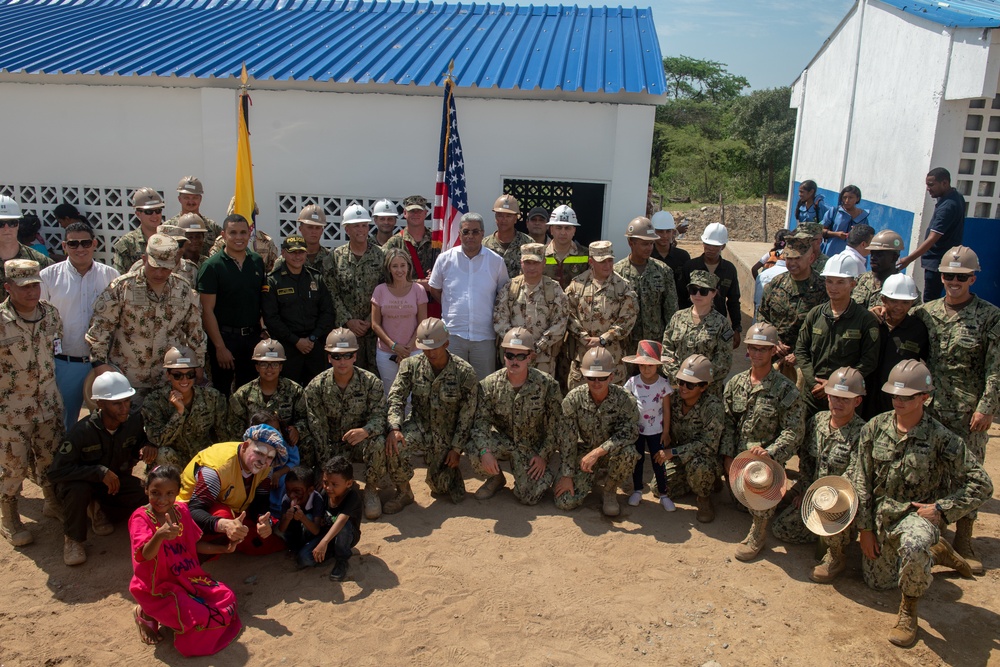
(399, 313)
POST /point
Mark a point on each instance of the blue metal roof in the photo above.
(549, 48)
(953, 13)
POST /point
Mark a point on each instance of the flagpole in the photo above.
(244, 202)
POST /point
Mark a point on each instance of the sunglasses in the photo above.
(9, 222)
(178, 375)
(337, 356)
(603, 379)
(690, 385)
(695, 289)
(903, 399)
(471, 232)
(960, 277)
(268, 364)
(511, 356)
(74, 244)
(150, 211)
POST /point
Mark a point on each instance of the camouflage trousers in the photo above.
(440, 478)
(958, 423)
(365, 357)
(543, 362)
(697, 476)
(371, 452)
(619, 467)
(788, 527)
(26, 452)
(905, 557)
(528, 491)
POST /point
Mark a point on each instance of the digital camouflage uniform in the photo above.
(261, 244)
(824, 451)
(212, 230)
(133, 327)
(128, 250)
(512, 255)
(712, 337)
(542, 309)
(868, 291)
(613, 426)
(288, 400)
(610, 310)
(24, 252)
(696, 437)
(928, 464)
(179, 437)
(187, 270)
(819, 263)
(426, 252)
(565, 270)
(351, 281)
(656, 295)
(786, 302)
(441, 417)
(31, 423)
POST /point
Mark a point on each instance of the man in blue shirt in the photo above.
(944, 231)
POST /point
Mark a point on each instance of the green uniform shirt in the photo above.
(826, 343)
(657, 297)
(612, 425)
(787, 301)
(237, 289)
(530, 415)
(770, 414)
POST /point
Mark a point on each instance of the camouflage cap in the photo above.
(762, 333)
(813, 229)
(534, 252)
(147, 198)
(601, 250)
(268, 350)
(796, 246)
(959, 259)
(415, 203)
(518, 338)
(22, 272)
(641, 228)
(173, 231)
(180, 356)
(294, 243)
(845, 382)
(703, 278)
(597, 362)
(190, 185)
(431, 334)
(162, 252)
(312, 215)
(507, 204)
(696, 368)
(192, 223)
(341, 340)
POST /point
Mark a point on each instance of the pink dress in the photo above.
(174, 590)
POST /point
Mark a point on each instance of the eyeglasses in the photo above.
(603, 379)
(268, 364)
(960, 277)
(471, 232)
(690, 385)
(695, 289)
(9, 222)
(179, 375)
(511, 356)
(74, 244)
(337, 356)
(759, 349)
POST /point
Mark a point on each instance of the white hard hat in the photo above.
(663, 220)
(899, 286)
(9, 209)
(111, 386)
(563, 215)
(842, 266)
(355, 213)
(715, 234)
(384, 207)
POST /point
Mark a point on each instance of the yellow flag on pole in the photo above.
(243, 201)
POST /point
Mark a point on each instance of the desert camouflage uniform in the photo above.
(443, 410)
(426, 252)
(351, 281)
(571, 266)
(696, 437)
(133, 327)
(543, 310)
(786, 302)
(179, 437)
(712, 337)
(824, 451)
(868, 291)
(25, 252)
(128, 250)
(613, 426)
(288, 400)
(656, 295)
(213, 231)
(187, 270)
(610, 310)
(512, 255)
(261, 244)
(928, 464)
(517, 425)
(31, 424)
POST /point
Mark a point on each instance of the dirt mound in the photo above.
(745, 221)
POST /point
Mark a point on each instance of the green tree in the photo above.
(701, 80)
(766, 124)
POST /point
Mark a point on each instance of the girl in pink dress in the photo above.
(169, 584)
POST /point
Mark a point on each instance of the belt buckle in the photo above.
(246, 331)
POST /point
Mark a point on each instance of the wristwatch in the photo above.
(603, 342)
(312, 338)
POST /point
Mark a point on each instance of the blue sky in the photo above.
(768, 41)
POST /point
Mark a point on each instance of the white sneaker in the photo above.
(667, 503)
(635, 498)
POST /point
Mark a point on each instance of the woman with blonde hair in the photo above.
(398, 306)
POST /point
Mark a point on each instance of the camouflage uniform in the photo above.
(928, 464)
(610, 310)
(333, 411)
(512, 255)
(656, 294)
(426, 252)
(786, 302)
(565, 270)
(868, 291)
(696, 437)
(518, 424)
(187, 270)
(288, 400)
(261, 244)
(613, 426)
(543, 310)
(351, 281)
(133, 327)
(128, 250)
(712, 337)
(824, 451)
(443, 410)
(819, 263)
(212, 230)
(25, 252)
(31, 424)
(180, 437)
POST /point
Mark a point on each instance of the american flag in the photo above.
(450, 196)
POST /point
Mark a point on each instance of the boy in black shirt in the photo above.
(342, 512)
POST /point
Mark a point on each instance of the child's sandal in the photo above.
(149, 630)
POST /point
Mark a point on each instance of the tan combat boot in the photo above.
(51, 508)
(10, 523)
(904, 633)
(706, 511)
(834, 562)
(98, 519)
(944, 555)
(963, 544)
(611, 506)
(490, 487)
(754, 541)
(403, 497)
(372, 502)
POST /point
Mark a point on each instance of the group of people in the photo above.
(250, 382)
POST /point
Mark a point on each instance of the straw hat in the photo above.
(757, 482)
(829, 505)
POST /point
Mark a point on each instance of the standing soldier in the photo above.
(652, 281)
(884, 249)
(537, 303)
(764, 415)
(602, 311)
(602, 425)
(965, 362)
(415, 239)
(901, 335)
(813, 232)
(445, 395)
(129, 248)
(32, 425)
(195, 250)
(10, 247)
(519, 419)
(727, 293)
(186, 269)
(700, 329)
(537, 224)
(312, 224)
(507, 241)
(665, 249)
(385, 216)
(189, 194)
(298, 312)
(912, 476)
(565, 259)
(141, 315)
(352, 272)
